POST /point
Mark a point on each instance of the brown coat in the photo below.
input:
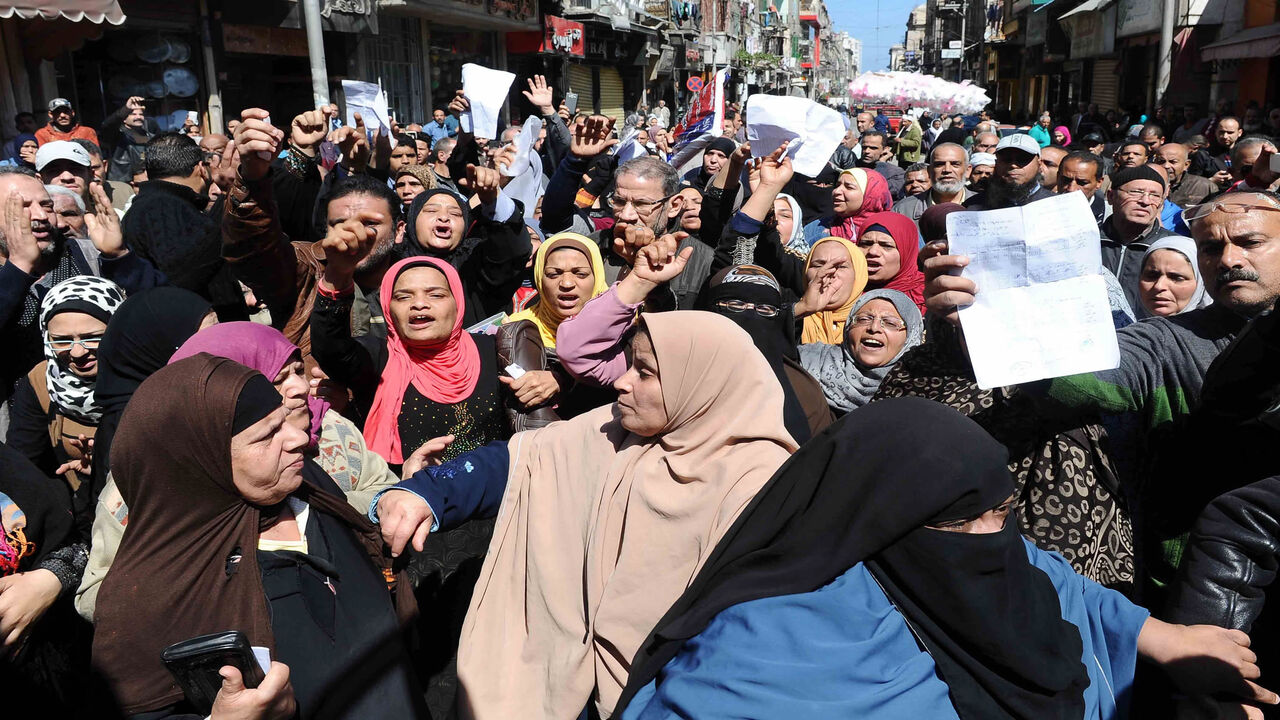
(281, 273)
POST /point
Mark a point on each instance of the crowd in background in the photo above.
(573, 422)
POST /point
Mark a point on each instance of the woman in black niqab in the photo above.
(874, 487)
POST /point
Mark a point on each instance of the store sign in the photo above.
(564, 37)
(657, 8)
(1092, 33)
(1137, 17)
(514, 9)
(262, 40)
(609, 50)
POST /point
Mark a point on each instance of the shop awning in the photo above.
(1255, 42)
(95, 11)
(1084, 7)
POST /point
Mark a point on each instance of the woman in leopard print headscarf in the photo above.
(1070, 501)
(56, 404)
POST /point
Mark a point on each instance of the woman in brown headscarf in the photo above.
(230, 528)
(606, 518)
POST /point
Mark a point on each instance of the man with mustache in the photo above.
(947, 166)
(37, 252)
(1136, 197)
(1163, 360)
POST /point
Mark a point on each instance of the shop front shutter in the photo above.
(580, 82)
(611, 100)
(1106, 84)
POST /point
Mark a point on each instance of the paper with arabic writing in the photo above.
(1041, 310)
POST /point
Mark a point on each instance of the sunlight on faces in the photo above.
(567, 280)
(69, 213)
(1050, 163)
(1075, 174)
(830, 255)
(266, 459)
(784, 217)
(408, 187)
(422, 306)
(349, 206)
(846, 196)
(643, 190)
(947, 168)
(874, 345)
(66, 326)
(691, 219)
(401, 156)
(291, 382)
(1143, 209)
(1239, 256)
(28, 151)
(1131, 155)
(440, 223)
(980, 173)
(1167, 282)
(916, 182)
(37, 205)
(1017, 166)
(640, 406)
(883, 259)
(1173, 158)
(991, 521)
(713, 160)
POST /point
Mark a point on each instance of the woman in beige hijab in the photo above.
(605, 518)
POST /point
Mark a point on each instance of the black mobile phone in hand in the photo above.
(571, 102)
(195, 664)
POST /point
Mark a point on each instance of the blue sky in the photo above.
(877, 23)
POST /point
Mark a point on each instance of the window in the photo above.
(394, 58)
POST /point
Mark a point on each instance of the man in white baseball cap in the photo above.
(1017, 175)
(65, 164)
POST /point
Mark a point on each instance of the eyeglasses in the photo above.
(1231, 207)
(737, 306)
(643, 207)
(1142, 195)
(62, 345)
(886, 321)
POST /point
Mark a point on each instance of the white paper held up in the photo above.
(368, 100)
(814, 131)
(486, 90)
(1041, 310)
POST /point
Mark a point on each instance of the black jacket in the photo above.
(1231, 560)
(168, 225)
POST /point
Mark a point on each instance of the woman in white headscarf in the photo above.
(1170, 282)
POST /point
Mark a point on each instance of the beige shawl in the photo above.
(600, 531)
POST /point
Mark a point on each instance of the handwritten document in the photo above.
(1041, 310)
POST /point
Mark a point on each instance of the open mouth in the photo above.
(40, 232)
(567, 301)
(871, 343)
(420, 321)
(443, 231)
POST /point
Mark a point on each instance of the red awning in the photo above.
(95, 11)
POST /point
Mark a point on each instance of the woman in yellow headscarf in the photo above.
(567, 271)
(832, 259)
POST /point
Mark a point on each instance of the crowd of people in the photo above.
(574, 423)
